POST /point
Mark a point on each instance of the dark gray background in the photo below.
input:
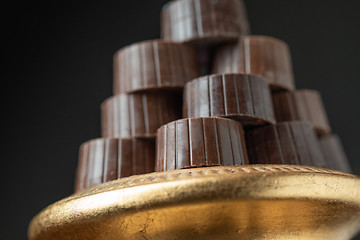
(59, 70)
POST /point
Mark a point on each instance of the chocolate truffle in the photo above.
(334, 153)
(200, 142)
(259, 55)
(203, 21)
(138, 114)
(105, 159)
(285, 143)
(153, 65)
(302, 105)
(242, 97)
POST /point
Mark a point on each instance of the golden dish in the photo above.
(232, 202)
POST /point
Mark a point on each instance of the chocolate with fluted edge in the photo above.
(302, 105)
(204, 21)
(285, 143)
(105, 159)
(242, 97)
(139, 114)
(200, 142)
(334, 153)
(260, 55)
(153, 65)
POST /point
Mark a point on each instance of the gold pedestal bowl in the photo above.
(232, 202)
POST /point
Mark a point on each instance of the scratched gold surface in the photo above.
(236, 202)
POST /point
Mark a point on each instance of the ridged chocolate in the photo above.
(199, 142)
(153, 65)
(334, 153)
(302, 105)
(105, 159)
(139, 114)
(285, 143)
(242, 97)
(259, 55)
(204, 21)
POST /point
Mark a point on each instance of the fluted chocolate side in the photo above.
(105, 159)
(303, 105)
(242, 97)
(198, 142)
(285, 143)
(203, 21)
(153, 65)
(260, 55)
(138, 114)
(334, 153)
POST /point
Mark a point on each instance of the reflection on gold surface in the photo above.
(240, 202)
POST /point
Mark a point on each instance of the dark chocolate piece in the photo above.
(259, 55)
(204, 21)
(334, 153)
(242, 97)
(302, 105)
(285, 143)
(139, 114)
(200, 142)
(153, 65)
(105, 159)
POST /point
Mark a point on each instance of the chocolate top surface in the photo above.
(138, 114)
(204, 21)
(106, 159)
(265, 38)
(292, 142)
(147, 42)
(258, 55)
(242, 97)
(334, 153)
(196, 142)
(302, 105)
(153, 65)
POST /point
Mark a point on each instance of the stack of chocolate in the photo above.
(207, 94)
